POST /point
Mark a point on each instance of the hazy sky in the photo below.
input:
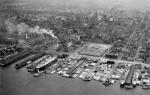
(140, 4)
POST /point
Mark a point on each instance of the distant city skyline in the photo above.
(127, 4)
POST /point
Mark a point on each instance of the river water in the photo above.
(21, 82)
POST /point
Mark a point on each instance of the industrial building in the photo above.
(22, 63)
(16, 56)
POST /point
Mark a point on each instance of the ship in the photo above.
(107, 82)
(146, 86)
(88, 77)
(122, 83)
(129, 86)
(31, 67)
(48, 62)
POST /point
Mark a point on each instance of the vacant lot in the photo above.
(94, 49)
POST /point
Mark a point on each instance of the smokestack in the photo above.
(26, 36)
(51, 33)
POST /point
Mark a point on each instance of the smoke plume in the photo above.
(11, 28)
(23, 28)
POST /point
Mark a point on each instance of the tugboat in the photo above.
(122, 83)
(88, 77)
(39, 73)
(134, 82)
(107, 82)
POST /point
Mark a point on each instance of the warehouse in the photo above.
(9, 59)
(23, 62)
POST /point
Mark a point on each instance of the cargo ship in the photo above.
(48, 62)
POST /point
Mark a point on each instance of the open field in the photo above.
(94, 49)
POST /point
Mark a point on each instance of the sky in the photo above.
(137, 4)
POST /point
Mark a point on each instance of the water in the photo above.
(21, 82)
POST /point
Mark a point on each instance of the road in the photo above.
(131, 36)
(140, 45)
(76, 55)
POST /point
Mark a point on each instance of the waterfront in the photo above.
(101, 43)
(21, 82)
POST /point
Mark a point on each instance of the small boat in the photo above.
(146, 86)
(38, 74)
(65, 75)
(52, 72)
(88, 77)
(128, 86)
(122, 83)
(107, 82)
